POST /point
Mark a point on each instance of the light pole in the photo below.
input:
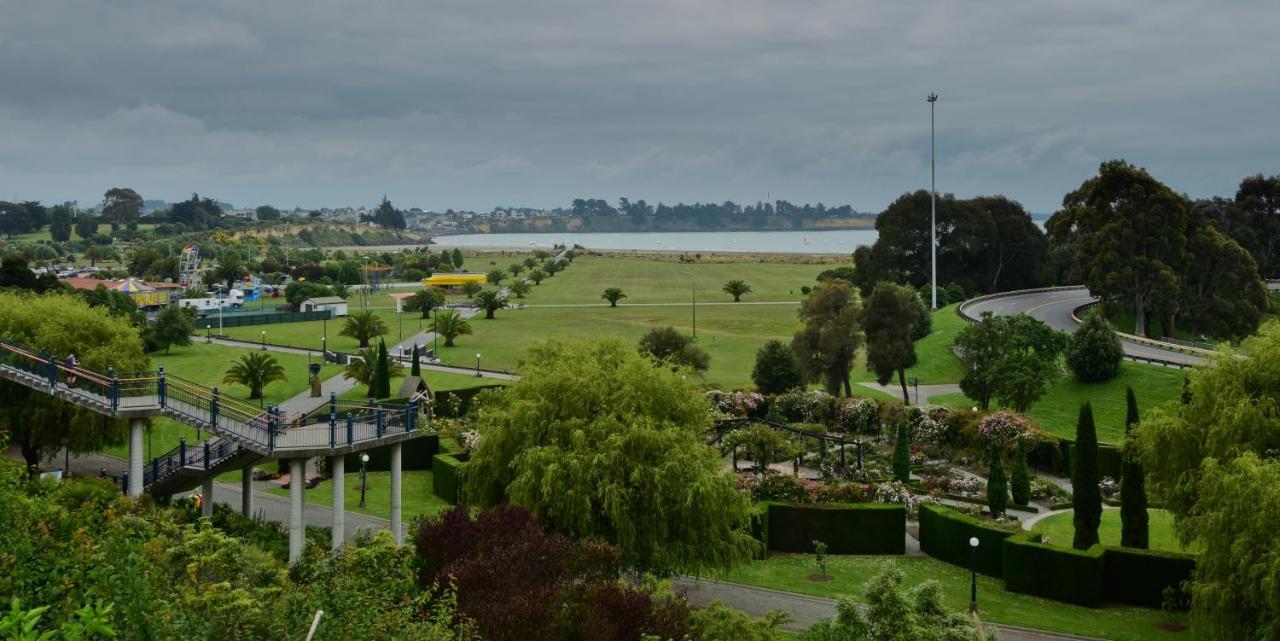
(264, 340)
(933, 203)
(364, 466)
(693, 288)
(364, 300)
(435, 337)
(324, 349)
(477, 363)
(973, 566)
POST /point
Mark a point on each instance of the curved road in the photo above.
(1054, 307)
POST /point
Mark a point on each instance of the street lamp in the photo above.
(324, 349)
(364, 466)
(973, 566)
(693, 288)
(435, 337)
(264, 340)
(477, 363)
(933, 203)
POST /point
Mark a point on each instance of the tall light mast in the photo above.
(933, 204)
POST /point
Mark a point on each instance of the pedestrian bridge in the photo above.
(242, 433)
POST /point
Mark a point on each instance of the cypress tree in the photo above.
(1084, 481)
(383, 372)
(1021, 480)
(902, 454)
(1133, 486)
(997, 487)
(415, 369)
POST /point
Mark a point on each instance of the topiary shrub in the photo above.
(997, 488)
(1094, 353)
(1020, 482)
(902, 455)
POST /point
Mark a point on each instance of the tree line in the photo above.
(760, 215)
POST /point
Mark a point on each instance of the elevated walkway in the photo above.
(243, 434)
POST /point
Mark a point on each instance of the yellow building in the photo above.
(452, 280)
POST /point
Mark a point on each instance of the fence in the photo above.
(240, 319)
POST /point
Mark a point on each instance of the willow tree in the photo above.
(599, 443)
(62, 325)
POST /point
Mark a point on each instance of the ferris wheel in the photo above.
(189, 266)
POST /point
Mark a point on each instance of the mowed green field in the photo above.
(207, 364)
(417, 497)
(790, 572)
(1058, 529)
(1059, 409)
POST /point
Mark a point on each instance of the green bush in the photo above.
(1094, 353)
(446, 477)
(945, 534)
(456, 403)
(1052, 572)
(854, 528)
(1139, 577)
(1110, 461)
(415, 454)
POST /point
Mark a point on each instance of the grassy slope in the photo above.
(1059, 529)
(789, 572)
(207, 364)
(936, 364)
(1058, 410)
(437, 381)
(415, 492)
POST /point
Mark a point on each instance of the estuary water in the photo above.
(838, 242)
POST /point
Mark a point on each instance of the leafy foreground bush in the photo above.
(151, 573)
(517, 582)
(1094, 353)
(893, 613)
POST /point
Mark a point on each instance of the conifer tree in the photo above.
(997, 486)
(1020, 482)
(1084, 481)
(382, 373)
(1133, 486)
(902, 454)
(415, 369)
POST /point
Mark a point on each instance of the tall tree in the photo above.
(1222, 294)
(997, 486)
(416, 368)
(776, 370)
(382, 372)
(1129, 234)
(1133, 484)
(1084, 482)
(981, 346)
(121, 206)
(86, 226)
(456, 256)
(736, 288)
(832, 333)
(598, 443)
(1094, 352)
(902, 454)
(888, 319)
(230, 269)
(1029, 361)
(60, 223)
(450, 324)
(363, 326)
(1020, 481)
(267, 213)
(173, 326)
(255, 370)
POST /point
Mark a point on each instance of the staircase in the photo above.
(185, 467)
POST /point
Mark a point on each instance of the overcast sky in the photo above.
(478, 103)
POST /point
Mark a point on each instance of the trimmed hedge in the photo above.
(846, 528)
(1109, 460)
(1139, 577)
(446, 477)
(415, 454)
(1061, 574)
(945, 533)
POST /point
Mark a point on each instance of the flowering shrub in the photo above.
(858, 416)
(469, 440)
(1042, 489)
(1004, 428)
(897, 492)
(773, 486)
(802, 406)
(735, 403)
(968, 485)
(1109, 487)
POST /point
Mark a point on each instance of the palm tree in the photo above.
(737, 288)
(255, 370)
(537, 276)
(490, 300)
(519, 287)
(450, 324)
(363, 326)
(229, 270)
(363, 366)
(341, 290)
(515, 269)
(531, 262)
(613, 295)
(495, 276)
(424, 300)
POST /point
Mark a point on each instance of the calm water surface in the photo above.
(842, 241)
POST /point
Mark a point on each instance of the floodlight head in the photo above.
(933, 97)
(973, 541)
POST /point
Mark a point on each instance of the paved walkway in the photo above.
(807, 610)
(925, 391)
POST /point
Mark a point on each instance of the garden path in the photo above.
(925, 391)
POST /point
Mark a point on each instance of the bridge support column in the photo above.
(397, 530)
(136, 428)
(297, 527)
(246, 491)
(206, 496)
(337, 466)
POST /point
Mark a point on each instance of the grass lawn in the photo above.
(936, 364)
(206, 364)
(789, 572)
(437, 381)
(309, 334)
(1058, 410)
(1059, 530)
(416, 494)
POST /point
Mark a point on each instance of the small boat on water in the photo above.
(806, 240)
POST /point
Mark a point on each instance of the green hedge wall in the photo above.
(854, 528)
(1139, 577)
(415, 454)
(1061, 574)
(1109, 462)
(446, 477)
(945, 533)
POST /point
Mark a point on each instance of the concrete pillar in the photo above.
(337, 467)
(396, 530)
(136, 428)
(246, 491)
(297, 527)
(206, 496)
